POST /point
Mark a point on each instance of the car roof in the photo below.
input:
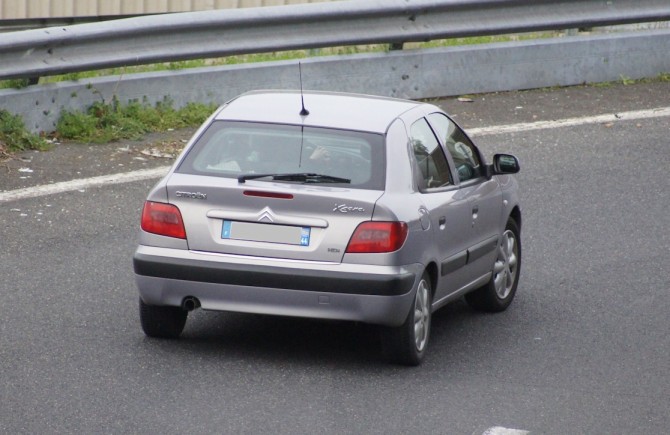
(326, 109)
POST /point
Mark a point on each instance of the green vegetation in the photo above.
(14, 83)
(626, 81)
(662, 77)
(103, 122)
(106, 122)
(473, 40)
(14, 136)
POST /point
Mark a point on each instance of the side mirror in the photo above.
(505, 164)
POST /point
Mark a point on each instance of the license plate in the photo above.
(270, 233)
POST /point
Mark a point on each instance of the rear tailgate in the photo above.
(269, 219)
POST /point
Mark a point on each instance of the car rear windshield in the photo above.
(237, 149)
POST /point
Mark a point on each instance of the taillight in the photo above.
(163, 219)
(377, 237)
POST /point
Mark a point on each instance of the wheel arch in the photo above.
(516, 215)
(432, 271)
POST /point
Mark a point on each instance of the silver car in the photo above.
(330, 206)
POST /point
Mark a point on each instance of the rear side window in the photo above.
(431, 161)
(230, 149)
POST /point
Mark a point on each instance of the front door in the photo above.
(482, 194)
(448, 207)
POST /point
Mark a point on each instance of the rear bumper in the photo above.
(366, 293)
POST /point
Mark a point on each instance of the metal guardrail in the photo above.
(197, 35)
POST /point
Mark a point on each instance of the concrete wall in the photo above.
(33, 9)
(425, 73)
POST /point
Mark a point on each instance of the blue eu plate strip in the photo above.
(304, 236)
(225, 232)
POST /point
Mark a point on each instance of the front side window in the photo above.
(431, 161)
(232, 149)
(464, 153)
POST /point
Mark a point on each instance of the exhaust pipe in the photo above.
(190, 303)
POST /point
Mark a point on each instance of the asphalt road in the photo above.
(583, 349)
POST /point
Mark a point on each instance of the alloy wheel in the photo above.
(421, 315)
(505, 269)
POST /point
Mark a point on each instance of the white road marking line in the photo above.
(146, 174)
(598, 119)
(83, 183)
(497, 430)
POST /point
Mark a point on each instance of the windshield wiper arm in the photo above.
(301, 177)
(245, 177)
(311, 178)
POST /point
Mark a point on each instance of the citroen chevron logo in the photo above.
(266, 216)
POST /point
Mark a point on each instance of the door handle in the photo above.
(475, 209)
(442, 220)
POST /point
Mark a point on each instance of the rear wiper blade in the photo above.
(311, 178)
(245, 177)
(301, 177)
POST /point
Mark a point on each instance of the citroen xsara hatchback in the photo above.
(330, 206)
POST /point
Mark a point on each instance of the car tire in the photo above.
(162, 321)
(406, 344)
(499, 292)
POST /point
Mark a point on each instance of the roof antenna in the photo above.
(303, 112)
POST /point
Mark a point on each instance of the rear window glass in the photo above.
(230, 149)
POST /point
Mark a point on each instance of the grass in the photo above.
(14, 84)
(103, 123)
(627, 81)
(108, 122)
(14, 136)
